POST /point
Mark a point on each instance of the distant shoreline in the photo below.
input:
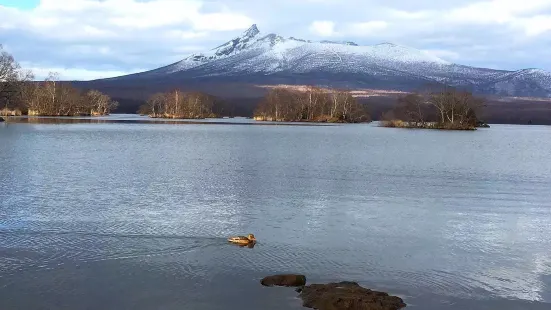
(430, 125)
(97, 120)
(220, 121)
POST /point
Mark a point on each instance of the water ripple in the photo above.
(142, 227)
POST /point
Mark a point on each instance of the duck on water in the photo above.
(243, 239)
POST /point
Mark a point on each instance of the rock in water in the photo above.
(1, 119)
(284, 280)
(347, 296)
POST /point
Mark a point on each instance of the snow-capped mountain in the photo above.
(269, 58)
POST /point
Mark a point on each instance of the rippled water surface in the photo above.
(135, 216)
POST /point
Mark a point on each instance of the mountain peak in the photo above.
(251, 32)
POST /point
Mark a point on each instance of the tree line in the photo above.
(180, 104)
(312, 105)
(445, 108)
(19, 94)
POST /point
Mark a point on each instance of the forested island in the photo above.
(182, 105)
(19, 94)
(446, 108)
(312, 105)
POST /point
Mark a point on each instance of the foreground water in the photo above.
(134, 216)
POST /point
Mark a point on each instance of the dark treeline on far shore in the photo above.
(19, 94)
(495, 110)
(445, 108)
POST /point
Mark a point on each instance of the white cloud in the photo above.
(221, 22)
(367, 28)
(121, 35)
(61, 18)
(444, 54)
(328, 28)
(323, 28)
(76, 73)
(183, 35)
(536, 25)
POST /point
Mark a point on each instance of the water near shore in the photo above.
(129, 215)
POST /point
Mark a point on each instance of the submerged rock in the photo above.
(284, 280)
(482, 124)
(347, 296)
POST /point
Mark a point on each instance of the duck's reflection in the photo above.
(248, 245)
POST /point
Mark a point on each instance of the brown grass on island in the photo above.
(10, 112)
(447, 109)
(311, 104)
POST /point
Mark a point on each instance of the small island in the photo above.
(178, 104)
(447, 109)
(313, 104)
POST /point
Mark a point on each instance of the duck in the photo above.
(242, 239)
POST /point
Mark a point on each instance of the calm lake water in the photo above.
(136, 215)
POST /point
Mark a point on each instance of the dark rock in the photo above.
(1, 119)
(284, 280)
(482, 124)
(347, 296)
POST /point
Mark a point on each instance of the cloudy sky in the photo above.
(86, 39)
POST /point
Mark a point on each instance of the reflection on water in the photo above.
(248, 245)
(134, 119)
(133, 216)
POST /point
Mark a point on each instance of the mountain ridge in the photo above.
(270, 57)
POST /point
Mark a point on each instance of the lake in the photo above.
(134, 214)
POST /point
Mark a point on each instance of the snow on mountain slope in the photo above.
(527, 82)
(270, 55)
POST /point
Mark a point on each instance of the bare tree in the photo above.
(179, 104)
(454, 109)
(413, 107)
(9, 71)
(100, 103)
(31, 96)
(11, 77)
(312, 104)
(54, 98)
